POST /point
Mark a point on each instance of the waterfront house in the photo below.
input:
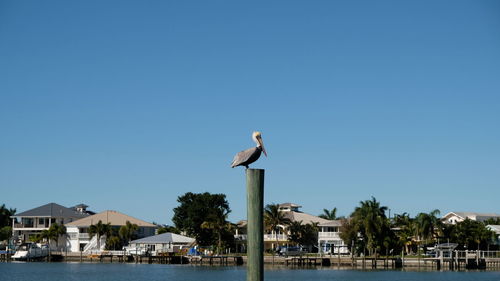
(29, 223)
(329, 240)
(79, 238)
(290, 211)
(456, 217)
(161, 243)
(496, 229)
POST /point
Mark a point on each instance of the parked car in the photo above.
(292, 251)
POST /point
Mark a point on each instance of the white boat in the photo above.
(28, 251)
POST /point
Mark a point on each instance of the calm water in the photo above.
(157, 272)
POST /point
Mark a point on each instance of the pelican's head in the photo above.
(257, 138)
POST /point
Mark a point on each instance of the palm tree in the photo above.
(99, 229)
(113, 242)
(217, 221)
(55, 231)
(295, 231)
(5, 215)
(427, 225)
(274, 219)
(128, 231)
(371, 222)
(329, 215)
(406, 230)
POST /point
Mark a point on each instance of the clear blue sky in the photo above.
(126, 105)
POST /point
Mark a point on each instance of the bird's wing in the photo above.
(242, 156)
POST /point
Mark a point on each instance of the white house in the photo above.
(456, 217)
(79, 238)
(290, 211)
(496, 229)
(329, 240)
(29, 223)
(161, 243)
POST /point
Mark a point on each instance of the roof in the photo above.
(494, 228)
(332, 223)
(81, 205)
(305, 218)
(242, 223)
(164, 238)
(112, 217)
(52, 210)
(291, 205)
(472, 215)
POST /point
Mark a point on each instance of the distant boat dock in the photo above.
(457, 260)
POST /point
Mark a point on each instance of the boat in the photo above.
(29, 251)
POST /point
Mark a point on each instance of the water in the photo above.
(160, 272)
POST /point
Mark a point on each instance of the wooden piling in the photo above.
(255, 226)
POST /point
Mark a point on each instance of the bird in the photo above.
(247, 157)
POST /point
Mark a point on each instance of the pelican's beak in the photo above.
(259, 139)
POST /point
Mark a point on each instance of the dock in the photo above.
(459, 260)
(216, 260)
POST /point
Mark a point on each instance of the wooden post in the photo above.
(255, 226)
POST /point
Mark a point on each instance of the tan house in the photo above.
(79, 238)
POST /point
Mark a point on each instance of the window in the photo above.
(27, 222)
(41, 221)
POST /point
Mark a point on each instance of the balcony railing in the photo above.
(267, 237)
(20, 225)
(240, 237)
(328, 235)
(273, 237)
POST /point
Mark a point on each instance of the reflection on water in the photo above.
(157, 272)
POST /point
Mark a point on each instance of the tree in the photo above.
(329, 215)
(493, 221)
(168, 228)
(405, 230)
(5, 215)
(372, 224)
(128, 231)
(100, 229)
(113, 243)
(303, 234)
(217, 222)
(5, 233)
(295, 231)
(348, 232)
(427, 225)
(472, 234)
(56, 231)
(274, 219)
(53, 233)
(309, 235)
(194, 210)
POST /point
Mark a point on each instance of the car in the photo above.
(291, 251)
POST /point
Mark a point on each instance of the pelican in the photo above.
(247, 157)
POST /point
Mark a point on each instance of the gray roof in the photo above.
(164, 238)
(52, 210)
